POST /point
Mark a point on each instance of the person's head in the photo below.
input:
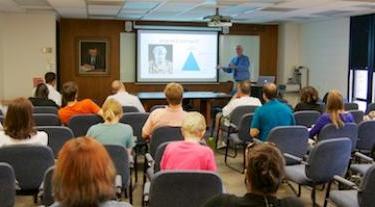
(174, 92)
(160, 53)
(269, 91)
(19, 123)
(335, 105)
(117, 86)
(50, 78)
(244, 88)
(309, 95)
(69, 92)
(93, 52)
(265, 169)
(84, 174)
(41, 91)
(239, 50)
(112, 111)
(193, 126)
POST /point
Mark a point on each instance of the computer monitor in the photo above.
(262, 80)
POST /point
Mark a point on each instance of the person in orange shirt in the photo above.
(71, 106)
(172, 115)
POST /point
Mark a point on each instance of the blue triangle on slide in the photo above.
(191, 64)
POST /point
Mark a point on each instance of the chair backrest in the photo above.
(327, 159)
(44, 110)
(159, 155)
(366, 138)
(157, 107)
(322, 107)
(127, 109)
(120, 159)
(46, 120)
(164, 134)
(47, 198)
(29, 163)
(350, 106)
(7, 185)
(357, 115)
(57, 136)
(290, 139)
(306, 118)
(366, 194)
(239, 111)
(349, 130)
(180, 188)
(370, 107)
(80, 124)
(136, 120)
(244, 127)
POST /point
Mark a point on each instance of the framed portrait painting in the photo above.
(93, 56)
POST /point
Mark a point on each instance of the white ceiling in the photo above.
(250, 11)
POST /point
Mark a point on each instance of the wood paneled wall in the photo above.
(98, 87)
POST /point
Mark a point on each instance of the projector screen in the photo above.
(181, 56)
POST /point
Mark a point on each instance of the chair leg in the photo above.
(244, 160)
(226, 152)
(35, 196)
(313, 196)
(131, 192)
(136, 167)
(327, 194)
(299, 190)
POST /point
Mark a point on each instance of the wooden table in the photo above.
(205, 98)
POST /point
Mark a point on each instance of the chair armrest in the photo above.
(146, 192)
(298, 159)
(345, 182)
(233, 126)
(118, 184)
(149, 159)
(364, 157)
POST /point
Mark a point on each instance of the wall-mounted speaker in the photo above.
(128, 26)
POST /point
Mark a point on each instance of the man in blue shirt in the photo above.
(272, 114)
(239, 65)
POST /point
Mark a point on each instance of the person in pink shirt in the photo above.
(189, 154)
(172, 115)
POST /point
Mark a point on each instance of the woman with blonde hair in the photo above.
(112, 132)
(335, 114)
(84, 176)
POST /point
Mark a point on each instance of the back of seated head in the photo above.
(19, 123)
(270, 91)
(117, 85)
(49, 77)
(194, 124)
(245, 87)
(174, 92)
(309, 95)
(41, 91)
(335, 105)
(69, 92)
(112, 109)
(265, 168)
(84, 174)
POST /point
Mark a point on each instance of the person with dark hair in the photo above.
(19, 125)
(309, 100)
(41, 96)
(264, 174)
(54, 95)
(272, 114)
(71, 106)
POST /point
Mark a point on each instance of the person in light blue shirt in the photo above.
(272, 114)
(239, 66)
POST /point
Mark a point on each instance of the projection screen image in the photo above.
(181, 56)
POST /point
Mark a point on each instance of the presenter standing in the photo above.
(239, 66)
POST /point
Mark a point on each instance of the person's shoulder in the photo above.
(124, 127)
(86, 101)
(291, 202)
(41, 134)
(225, 200)
(115, 204)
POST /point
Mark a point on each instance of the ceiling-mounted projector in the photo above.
(218, 20)
(219, 24)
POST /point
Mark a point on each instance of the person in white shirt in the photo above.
(54, 95)
(19, 125)
(241, 98)
(125, 98)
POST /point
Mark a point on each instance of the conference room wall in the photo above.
(23, 35)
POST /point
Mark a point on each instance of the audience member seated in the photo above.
(370, 116)
(73, 107)
(41, 96)
(112, 132)
(19, 125)
(241, 98)
(335, 114)
(172, 115)
(264, 174)
(123, 97)
(84, 175)
(189, 154)
(54, 95)
(309, 100)
(272, 114)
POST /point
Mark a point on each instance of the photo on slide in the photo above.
(160, 59)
